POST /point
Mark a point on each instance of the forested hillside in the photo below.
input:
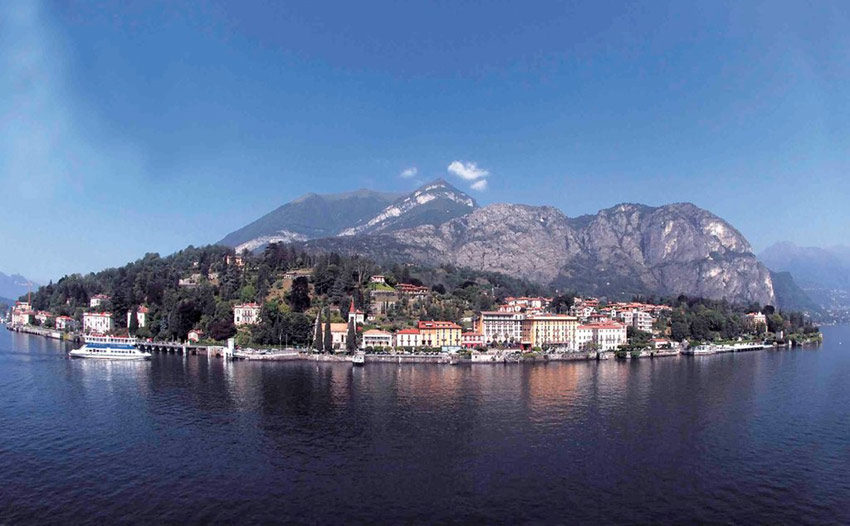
(198, 287)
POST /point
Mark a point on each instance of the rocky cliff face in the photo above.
(621, 251)
(433, 204)
(361, 212)
(624, 250)
(308, 217)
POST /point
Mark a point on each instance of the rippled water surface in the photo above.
(751, 437)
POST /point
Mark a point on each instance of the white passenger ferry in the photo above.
(110, 347)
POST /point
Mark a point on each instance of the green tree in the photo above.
(327, 346)
(299, 295)
(562, 303)
(133, 326)
(317, 330)
(679, 328)
(351, 338)
(775, 323)
(221, 329)
(637, 336)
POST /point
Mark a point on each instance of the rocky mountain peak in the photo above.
(433, 203)
(620, 251)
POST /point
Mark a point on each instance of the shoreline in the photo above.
(512, 356)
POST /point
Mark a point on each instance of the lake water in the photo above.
(759, 437)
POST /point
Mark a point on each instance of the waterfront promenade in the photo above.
(501, 356)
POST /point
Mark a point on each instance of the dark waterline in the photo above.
(758, 437)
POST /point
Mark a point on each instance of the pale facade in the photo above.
(756, 319)
(339, 335)
(549, 330)
(355, 315)
(246, 314)
(97, 300)
(500, 327)
(408, 339)
(409, 289)
(472, 339)
(639, 319)
(97, 322)
(606, 336)
(64, 323)
(609, 336)
(22, 313)
(376, 338)
(141, 316)
(584, 337)
(440, 333)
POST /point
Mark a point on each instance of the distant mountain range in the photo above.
(14, 286)
(822, 273)
(310, 216)
(621, 251)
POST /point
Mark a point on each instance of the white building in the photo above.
(246, 314)
(192, 281)
(41, 317)
(195, 335)
(377, 279)
(22, 313)
(756, 320)
(471, 340)
(64, 323)
(607, 336)
(339, 335)
(639, 319)
(500, 327)
(583, 312)
(408, 339)
(376, 338)
(355, 315)
(141, 316)
(97, 322)
(584, 337)
(97, 300)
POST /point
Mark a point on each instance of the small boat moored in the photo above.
(359, 358)
(111, 347)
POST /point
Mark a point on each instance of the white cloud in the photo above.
(467, 170)
(479, 185)
(407, 173)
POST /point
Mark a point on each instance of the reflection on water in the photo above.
(754, 437)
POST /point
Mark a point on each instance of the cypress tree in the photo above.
(133, 326)
(317, 330)
(328, 346)
(351, 339)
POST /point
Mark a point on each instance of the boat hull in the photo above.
(109, 348)
(108, 356)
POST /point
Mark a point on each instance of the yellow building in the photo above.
(440, 333)
(546, 330)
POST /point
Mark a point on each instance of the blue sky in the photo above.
(133, 127)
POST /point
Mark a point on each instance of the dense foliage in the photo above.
(700, 319)
(197, 288)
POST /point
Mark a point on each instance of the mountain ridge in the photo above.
(14, 285)
(628, 248)
(823, 273)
